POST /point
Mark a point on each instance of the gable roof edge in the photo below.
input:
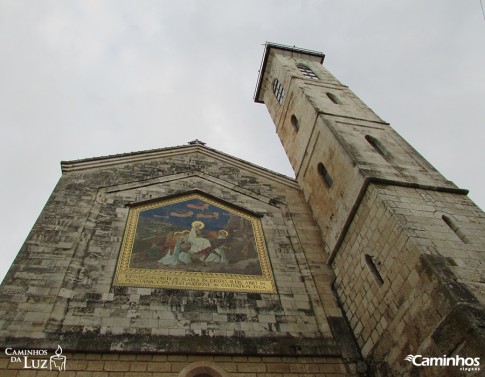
(123, 158)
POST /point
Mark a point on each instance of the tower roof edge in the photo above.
(276, 46)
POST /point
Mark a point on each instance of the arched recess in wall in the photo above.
(455, 228)
(203, 369)
(325, 175)
(333, 98)
(377, 145)
(295, 122)
(372, 266)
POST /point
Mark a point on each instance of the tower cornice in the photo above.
(269, 46)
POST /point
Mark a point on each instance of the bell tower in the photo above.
(336, 144)
(396, 232)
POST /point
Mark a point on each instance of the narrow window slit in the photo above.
(333, 98)
(376, 144)
(373, 269)
(295, 123)
(451, 224)
(327, 178)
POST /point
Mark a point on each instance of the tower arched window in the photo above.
(278, 91)
(454, 227)
(295, 123)
(307, 72)
(376, 144)
(372, 265)
(323, 172)
(333, 98)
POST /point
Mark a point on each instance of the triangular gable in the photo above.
(133, 157)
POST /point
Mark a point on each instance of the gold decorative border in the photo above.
(138, 277)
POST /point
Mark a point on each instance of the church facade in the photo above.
(185, 261)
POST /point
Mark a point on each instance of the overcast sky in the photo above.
(82, 79)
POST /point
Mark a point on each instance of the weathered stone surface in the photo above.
(86, 312)
(406, 245)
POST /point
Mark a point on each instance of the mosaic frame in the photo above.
(191, 276)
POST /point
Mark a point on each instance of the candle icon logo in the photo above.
(58, 361)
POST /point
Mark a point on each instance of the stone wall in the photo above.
(346, 137)
(408, 283)
(152, 365)
(59, 289)
(406, 244)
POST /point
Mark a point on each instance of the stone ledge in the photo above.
(201, 345)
